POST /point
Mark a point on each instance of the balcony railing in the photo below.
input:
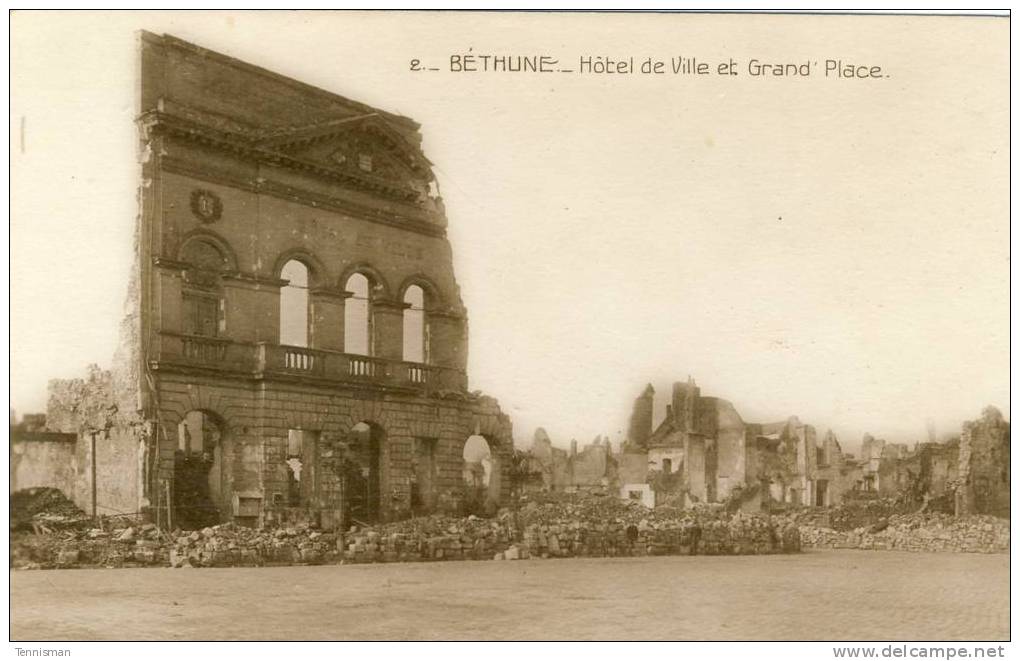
(363, 367)
(204, 349)
(267, 360)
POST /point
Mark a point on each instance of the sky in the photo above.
(831, 248)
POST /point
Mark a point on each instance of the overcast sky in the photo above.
(835, 249)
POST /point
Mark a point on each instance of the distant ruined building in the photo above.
(295, 343)
(705, 452)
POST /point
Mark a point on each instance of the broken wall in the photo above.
(719, 419)
(590, 466)
(640, 426)
(657, 459)
(984, 465)
(550, 462)
(42, 459)
(90, 406)
(117, 461)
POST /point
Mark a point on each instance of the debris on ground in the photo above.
(918, 532)
(575, 525)
(44, 509)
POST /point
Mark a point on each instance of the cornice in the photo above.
(390, 305)
(161, 123)
(254, 279)
(302, 196)
(170, 264)
(325, 292)
(452, 315)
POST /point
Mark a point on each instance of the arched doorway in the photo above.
(200, 487)
(481, 476)
(363, 489)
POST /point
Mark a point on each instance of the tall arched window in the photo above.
(415, 339)
(294, 305)
(202, 300)
(357, 317)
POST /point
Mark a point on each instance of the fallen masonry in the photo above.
(589, 526)
(933, 532)
(581, 526)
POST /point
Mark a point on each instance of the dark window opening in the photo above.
(201, 315)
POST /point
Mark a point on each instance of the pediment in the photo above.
(362, 146)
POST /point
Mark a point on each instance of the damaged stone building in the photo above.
(295, 347)
(591, 467)
(704, 451)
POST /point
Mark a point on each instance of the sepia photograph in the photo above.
(510, 326)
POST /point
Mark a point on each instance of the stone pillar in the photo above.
(168, 297)
(326, 310)
(388, 318)
(251, 308)
(447, 339)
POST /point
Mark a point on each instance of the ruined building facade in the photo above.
(296, 344)
(705, 451)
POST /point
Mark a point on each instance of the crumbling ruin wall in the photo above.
(894, 474)
(984, 465)
(590, 467)
(549, 461)
(89, 407)
(42, 459)
(118, 456)
(640, 426)
(724, 424)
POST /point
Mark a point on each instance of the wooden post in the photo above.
(93, 470)
(169, 507)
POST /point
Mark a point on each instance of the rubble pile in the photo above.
(854, 514)
(587, 526)
(42, 509)
(432, 538)
(225, 545)
(230, 545)
(919, 532)
(578, 525)
(741, 535)
(125, 547)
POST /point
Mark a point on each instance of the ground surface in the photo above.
(818, 595)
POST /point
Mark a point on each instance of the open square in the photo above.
(818, 595)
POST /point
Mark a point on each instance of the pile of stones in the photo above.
(922, 532)
(854, 514)
(431, 538)
(230, 545)
(586, 526)
(131, 546)
(43, 510)
(687, 532)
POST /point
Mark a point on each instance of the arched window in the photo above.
(358, 317)
(202, 304)
(201, 255)
(415, 332)
(294, 305)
